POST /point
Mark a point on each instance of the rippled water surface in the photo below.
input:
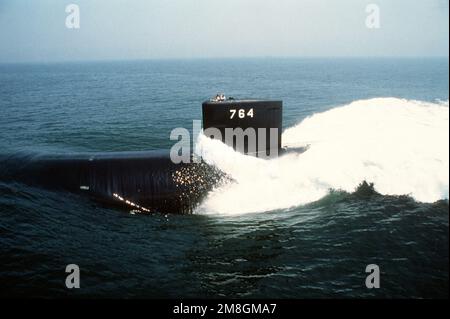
(318, 246)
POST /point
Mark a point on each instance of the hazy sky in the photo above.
(35, 30)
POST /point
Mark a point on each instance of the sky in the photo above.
(35, 30)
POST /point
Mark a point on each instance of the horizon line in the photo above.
(107, 60)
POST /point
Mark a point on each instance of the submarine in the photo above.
(149, 181)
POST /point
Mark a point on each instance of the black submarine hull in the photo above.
(143, 181)
(150, 181)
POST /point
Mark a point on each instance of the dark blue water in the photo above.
(315, 250)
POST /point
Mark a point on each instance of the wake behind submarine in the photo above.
(150, 182)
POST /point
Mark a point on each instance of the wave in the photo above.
(402, 146)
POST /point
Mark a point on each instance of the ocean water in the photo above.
(300, 226)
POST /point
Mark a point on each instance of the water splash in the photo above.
(402, 146)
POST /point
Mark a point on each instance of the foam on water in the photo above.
(402, 146)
